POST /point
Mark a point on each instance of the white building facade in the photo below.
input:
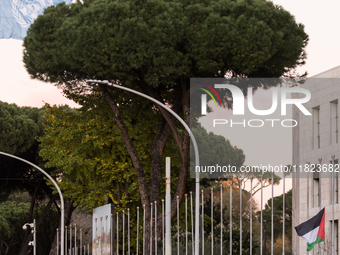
(316, 141)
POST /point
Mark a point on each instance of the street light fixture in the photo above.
(62, 207)
(33, 231)
(192, 137)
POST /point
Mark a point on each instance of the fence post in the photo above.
(57, 241)
(167, 208)
(155, 227)
(128, 231)
(117, 234)
(144, 230)
(202, 223)
(221, 219)
(192, 225)
(212, 221)
(163, 212)
(177, 225)
(186, 224)
(137, 230)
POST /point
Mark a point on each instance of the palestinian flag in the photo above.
(313, 230)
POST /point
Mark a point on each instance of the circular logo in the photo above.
(26, 11)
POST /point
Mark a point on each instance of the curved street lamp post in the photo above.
(105, 82)
(61, 200)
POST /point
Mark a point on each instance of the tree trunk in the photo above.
(166, 126)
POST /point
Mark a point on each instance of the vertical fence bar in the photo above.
(231, 218)
(65, 240)
(177, 225)
(221, 219)
(123, 227)
(308, 163)
(71, 236)
(137, 239)
(88, 249)
(128, 231)
(251, 216)
(84, 249)
(117, 234)
(186, 224)
(75, 238)
(112, 236)
(272, 234)
(168, 247)
(192, 224)
(261, 228)
(332, 197)
(155, 227)
(151, 228)
(283, 214)
(202, 223)
(240, 220)
(105, 233)
(163, 248)
(212, 220)
(144, 230)
(57, 241)
(319, 204)
(81, 241)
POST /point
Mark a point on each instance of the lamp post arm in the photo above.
(59, 191)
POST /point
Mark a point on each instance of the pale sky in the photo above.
(321, 20)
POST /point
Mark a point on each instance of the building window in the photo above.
(334, 122)
(316, 190)
(316, 127)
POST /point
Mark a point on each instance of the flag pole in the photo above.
(332, 185)
(308, 163)
(240, 218)
(295, 214)
(251, 215)
(261, 237)
(283, 214)
(231, 218)
(272, 234)
(319, 201)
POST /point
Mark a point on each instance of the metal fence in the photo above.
(211, 241)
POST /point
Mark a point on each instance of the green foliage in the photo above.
(18, 128)
(21, 185)
(153, 46)
(12, 218)
(278, 218)
(163, 41)
(13, 215)
(235, 219)
(91, 159)
(216, 149)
